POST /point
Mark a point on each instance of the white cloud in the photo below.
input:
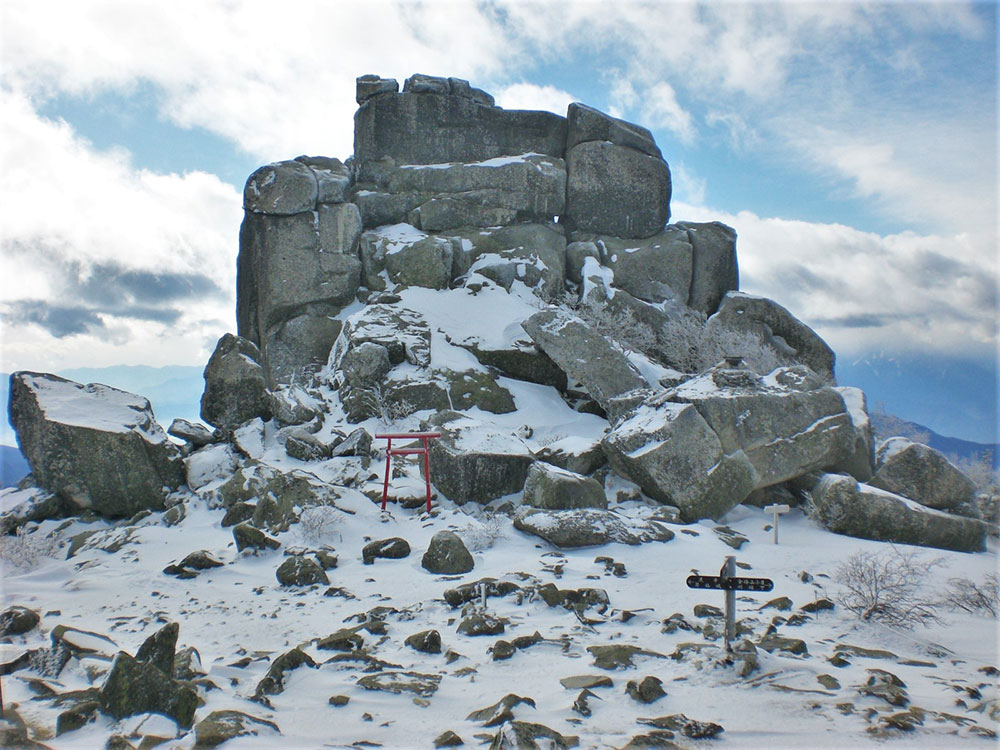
(867, 292)
(660, 109)
(144, 259)
(532, 96)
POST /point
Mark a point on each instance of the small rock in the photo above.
(392, 549)
(828, 681)
(343, 640)
(619, 656)
(339, 700)
(274, 681)
(774, 642)
(17, 620)
(482, 623)
(447, 555)
(448, 739)
(782, 604)
(158, 649)
(707, 610)
(887, 686)
(220, 726)
(424, 685)
(249, 537)
(500, 711)
(300, 571)
(647, 690)
(238, 512)
(817, 606)
(426, 641)
(580, 705)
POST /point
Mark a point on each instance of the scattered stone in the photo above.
(468, 592)
(395, 548)
(423, 685)
(249, 537)
(677, 622)
(619, 656)
(273, 682)
(782, 604)
(448, 739)
(238, 513)
(482, 623)
(696, 730)
(300, 571)
(828, 681)
(500, 711)
(581, 705)
(347, 639)
(573, 454)
(221, 726)
(339, 700)
(17, 620)
(730, 536)
(820, 605)
(707, 610)
(426, 641)
(159, 648)
(193, 563)
(887, 686)
(447, 555)
(659, 739)
(773, 642)
(76, 717)
(522, 734)
(586, 681)
(648, 690)
(198, 435)
(871, 653)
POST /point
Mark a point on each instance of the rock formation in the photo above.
(359, 284)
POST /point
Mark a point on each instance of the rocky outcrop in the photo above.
(444, 120)
(846, 507)
(921, 473)
(653, 269)
(714, 267)
(298, 264)
(95, 447)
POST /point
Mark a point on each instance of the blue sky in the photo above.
(852, 146)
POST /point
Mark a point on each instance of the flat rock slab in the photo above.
(423, 685)
(586, 681)
(583, 354)
(588, 527)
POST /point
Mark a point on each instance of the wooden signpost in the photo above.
(776, 510)
(728, 581)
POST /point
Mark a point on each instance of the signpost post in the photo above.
(776, 510)
(728, 581)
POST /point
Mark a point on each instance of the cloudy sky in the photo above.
(852, 146)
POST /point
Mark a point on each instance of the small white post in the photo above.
(729, 571)
(482, 595)
(775, 511)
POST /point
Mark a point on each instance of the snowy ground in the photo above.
(240, 610)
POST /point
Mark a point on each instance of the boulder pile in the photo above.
(357, 282)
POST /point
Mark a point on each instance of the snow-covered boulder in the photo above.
(844, 506)
(784, 431)
(675, 456)
(861, 463)
(588, 527)
(94, 446)
(576, 454)
(583, 354)
(473, 461)
(921, 473)
(403, 254)
(235, 384)
(551, 488)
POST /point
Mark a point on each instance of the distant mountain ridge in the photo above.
(887, 425)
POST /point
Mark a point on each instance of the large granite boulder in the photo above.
(404, 333)
(136, 687)
(93, 446)
(404, 255)
(783, 431)
(442, 120)
(576, 454)
(295, 266)
(473, 461)
(528, 187)
(714, 268)
(585, 124)
(551, 488)
(777, 327)
(654, 269)
(235, 384)
(534, 254)
(583, 354)
(588, 527)
(922, 474)
(447, 555)
(675, 456)
(846, 507)
(616, 190)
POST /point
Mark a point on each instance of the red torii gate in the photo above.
(425, 451)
